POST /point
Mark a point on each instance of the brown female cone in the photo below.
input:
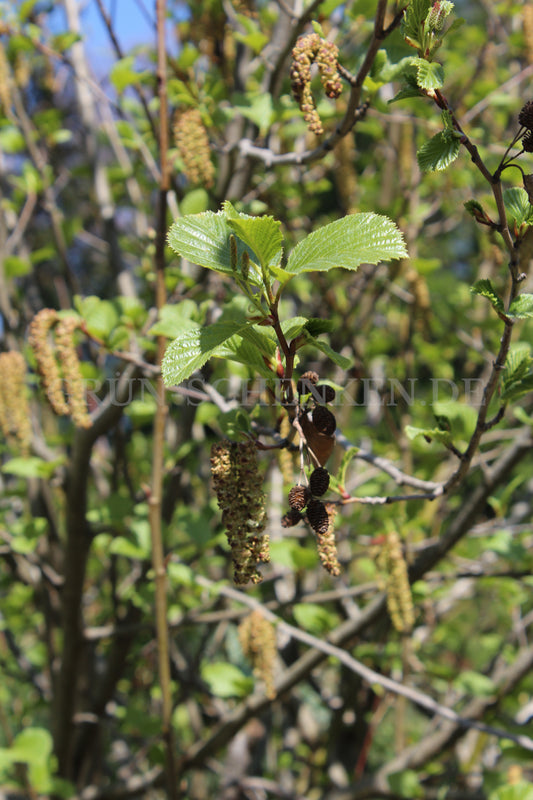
(14, 410)
(323, 420)
(238, 484)
(317, 516)
(525, 117)
(291, 518)
(40, 328)
(298, 497)
(68, 358)
(319, 481)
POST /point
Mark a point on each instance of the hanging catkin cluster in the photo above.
(237, 485)
(391, 563)
(14, 409)
(258, 641)
(191, 140)
(60, 369)
(308, 50)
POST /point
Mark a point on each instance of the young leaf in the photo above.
(429, 74)
(204, 239)
(193, 348)
(518, 206)
(348, 242)
(521, 307)
(347, 457)
(262, 235)
(439, 152)
(517, 379)
(485, 288)
(428, 433)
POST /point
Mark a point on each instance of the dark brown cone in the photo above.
(291, 518)
(319, 481)
(525, 117)
(324, 421)
(299, 497)
(317, 516)
(327, 393)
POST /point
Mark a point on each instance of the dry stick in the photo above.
(156, 494)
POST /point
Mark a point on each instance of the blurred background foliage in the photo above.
(79, 184)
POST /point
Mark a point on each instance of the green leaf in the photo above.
(313, 617)
(262, 234)
(193, 348)
(248, 348)
(485, 288)
(174, 319)
(316, 326)
(457, 417)
(517, 379)
(341, 361)
(429, 74)
(516, 791)
(346, 459)
(429, 434)
(518, 206)
(195, 202)
(226, 680)
(439, 152)
(258, 109)
(348, 242)
(204, 239)
(62, 41)
(31, 467)
(475, 684)
(405, 784)
(123, 75)
(16, 267)
(521, 307)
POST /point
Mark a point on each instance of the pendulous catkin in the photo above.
(192, 143)
(237, 484)
(72, 377)
(58, 365)
(14, 410)
(307, 50)
(258, 641)
(40, 329)
(392, 565)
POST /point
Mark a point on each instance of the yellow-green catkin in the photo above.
(15, 420)
(39, 335)
(326, 545)
(258, 641)
(309, 49)
(391, 562)
(237, 484)
(70, 365)
(286, 464)
(191, 140)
